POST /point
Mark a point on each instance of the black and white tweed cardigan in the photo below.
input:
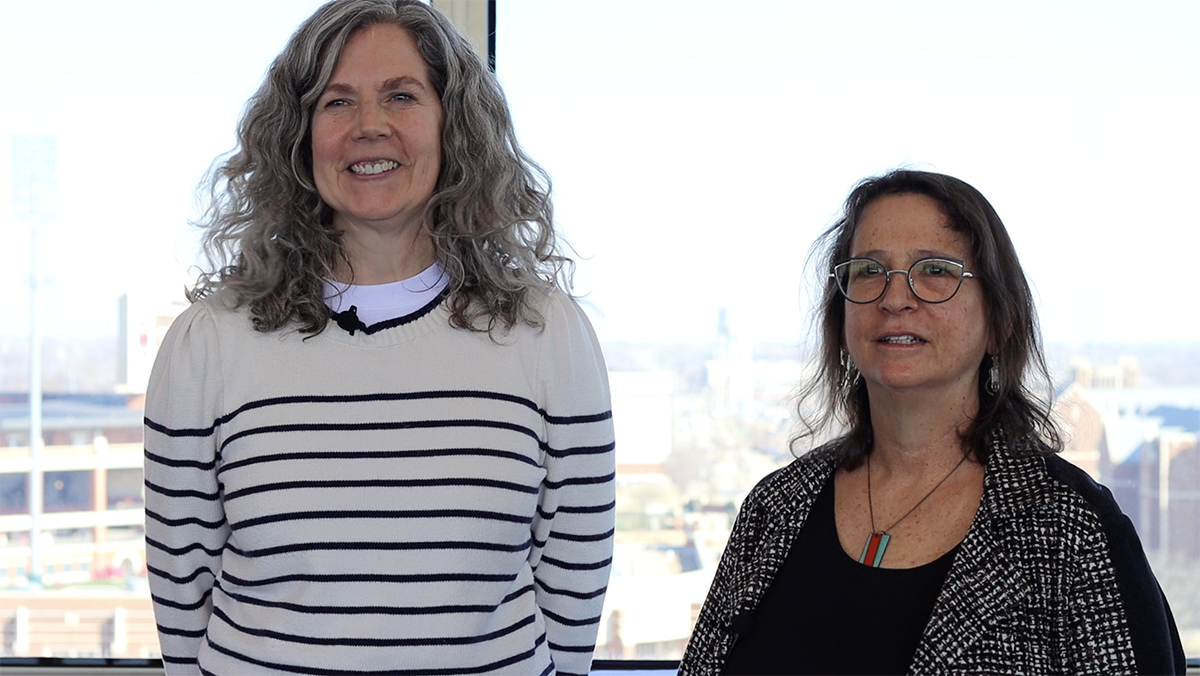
(1050, 579)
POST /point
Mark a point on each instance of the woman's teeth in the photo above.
(902, 340)
(373, 167)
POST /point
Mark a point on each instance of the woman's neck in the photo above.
(915, 434)
(376, 259)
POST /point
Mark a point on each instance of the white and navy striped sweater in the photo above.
(414, 500)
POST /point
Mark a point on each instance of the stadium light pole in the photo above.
(33, 176)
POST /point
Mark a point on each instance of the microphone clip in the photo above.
(348, 320)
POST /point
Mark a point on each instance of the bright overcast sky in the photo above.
(697, 148)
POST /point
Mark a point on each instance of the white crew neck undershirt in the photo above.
(380, 302)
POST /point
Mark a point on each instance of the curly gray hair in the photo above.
(270, 240)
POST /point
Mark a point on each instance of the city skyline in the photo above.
(694, 442)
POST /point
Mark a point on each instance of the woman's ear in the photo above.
(995, 346)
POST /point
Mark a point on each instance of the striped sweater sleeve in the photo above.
(186, 527)
(574, 526)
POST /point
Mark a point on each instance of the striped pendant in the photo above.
(872, 554)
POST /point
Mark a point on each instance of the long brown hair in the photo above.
(835, 397)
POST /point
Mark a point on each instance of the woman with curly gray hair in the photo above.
(380, 437)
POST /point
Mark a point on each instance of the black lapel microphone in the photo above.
(349, 320)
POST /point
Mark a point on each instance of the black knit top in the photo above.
(826, 613)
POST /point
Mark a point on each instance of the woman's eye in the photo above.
(935, 268)
(402, 96)
(859, 270)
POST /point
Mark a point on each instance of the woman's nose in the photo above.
(372, 122)
(897, 295)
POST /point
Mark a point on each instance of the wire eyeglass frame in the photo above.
(908, 274)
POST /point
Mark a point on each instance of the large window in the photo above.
(697, 149)
(124, 105)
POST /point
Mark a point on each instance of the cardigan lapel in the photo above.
(983, 585)
(985, 581)
(789, 500)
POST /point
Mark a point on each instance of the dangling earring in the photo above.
(850, 372)
(993, 383)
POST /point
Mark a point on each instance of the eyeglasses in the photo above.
(932, 280)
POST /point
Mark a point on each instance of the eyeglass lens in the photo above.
(933, 280)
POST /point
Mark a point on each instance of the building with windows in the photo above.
(89, 543)
(1141, 441)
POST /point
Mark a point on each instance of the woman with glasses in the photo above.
(938, 532)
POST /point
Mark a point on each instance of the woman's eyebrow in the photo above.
(337, 88)
(914, 255)
(931, 253)
(404, 80)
